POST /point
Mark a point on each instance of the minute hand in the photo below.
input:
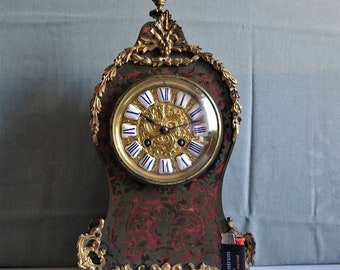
(185, 124)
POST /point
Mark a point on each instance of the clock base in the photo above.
(93, 255)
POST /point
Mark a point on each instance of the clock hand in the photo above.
(185, 124)
(150, 120)
(163, 129)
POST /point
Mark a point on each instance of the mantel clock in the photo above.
(164, 120)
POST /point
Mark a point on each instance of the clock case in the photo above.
(155, 226)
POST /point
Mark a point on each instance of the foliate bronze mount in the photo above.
(166, 36)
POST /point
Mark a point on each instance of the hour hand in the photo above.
(150, 120)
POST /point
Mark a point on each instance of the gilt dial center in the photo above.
(164, 130)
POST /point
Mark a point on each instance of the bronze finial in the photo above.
(159, 4)
(156, 13)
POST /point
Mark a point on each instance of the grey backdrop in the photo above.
(283, 182)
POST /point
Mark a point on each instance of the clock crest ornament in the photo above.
(164, 119)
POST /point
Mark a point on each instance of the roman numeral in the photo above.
(132, 112)
(183, 162)
(200, 130)
(164, 94)
(195, 112)
(146, 99)
(147, 162)
(128, 130)
(133, 149)
(195, 148)
(182, 99)
(165, 166)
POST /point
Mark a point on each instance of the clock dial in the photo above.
(166, 130)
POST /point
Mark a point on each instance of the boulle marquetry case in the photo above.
(164, 119)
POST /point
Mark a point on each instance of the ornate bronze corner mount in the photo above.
(90, 256)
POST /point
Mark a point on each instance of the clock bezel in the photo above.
(200, 165)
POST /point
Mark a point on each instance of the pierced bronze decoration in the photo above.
(167, 266)
(90, 256)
